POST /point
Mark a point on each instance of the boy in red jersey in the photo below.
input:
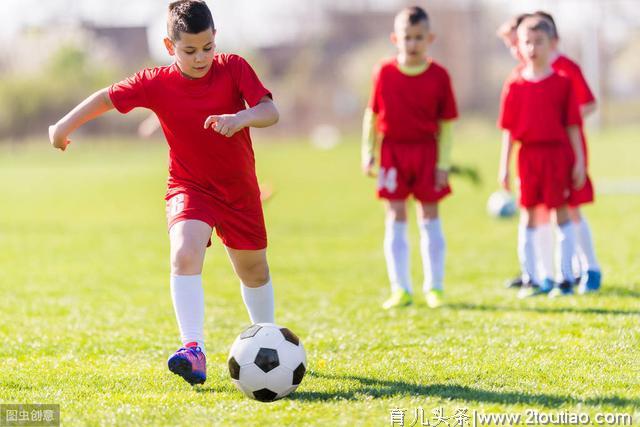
(410, 112)
(585, 259)
(200, 101)
(540, 111)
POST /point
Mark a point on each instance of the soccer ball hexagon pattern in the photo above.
(267, 362)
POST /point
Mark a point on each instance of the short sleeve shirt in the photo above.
(409, 108)
(200, 159)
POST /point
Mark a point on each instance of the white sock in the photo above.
(259, 302)
(188, 302)
(527, 253)
(396, 252)
(566, 248)
(585, 245)
(432, 248)
(544, 243)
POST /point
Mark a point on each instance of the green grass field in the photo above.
(87, 320)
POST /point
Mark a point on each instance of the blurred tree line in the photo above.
(32, 100)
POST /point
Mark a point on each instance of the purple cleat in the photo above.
(190, 363)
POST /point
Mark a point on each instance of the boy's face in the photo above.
(535, 47)
(412, 41)
(193, 52)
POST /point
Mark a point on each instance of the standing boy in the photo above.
(540, 111)
(411, 112)
(587, 263)
(200, 101)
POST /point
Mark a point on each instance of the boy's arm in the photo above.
(505, 160)
(588, 109)
(445, 142)
(369, 138)
(92, 107)
(578, 173)
(262, 115)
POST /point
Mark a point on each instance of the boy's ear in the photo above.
(169, 45)
(431, 37)
(393, 37)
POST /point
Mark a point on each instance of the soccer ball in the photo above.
(501, 204)
(267, 362)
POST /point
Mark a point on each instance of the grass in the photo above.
(87, 320)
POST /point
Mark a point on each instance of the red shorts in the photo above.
(582, 196)
(586, 193)
(545, 175)
(409, 168)
(237, 229)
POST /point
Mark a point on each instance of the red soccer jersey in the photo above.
(200, 159)
(539, 112)
(566, 67)
(408, 108)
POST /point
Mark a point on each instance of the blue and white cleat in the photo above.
(562, 290)
(590, 282)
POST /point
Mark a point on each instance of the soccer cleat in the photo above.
(547, 286)
(190, 363)
(528, 290)
(591, 282)
(434, 298)
(562, 290)
(399, 298)
(516, 282)
(533, 289)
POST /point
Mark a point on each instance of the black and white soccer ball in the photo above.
(267, 362)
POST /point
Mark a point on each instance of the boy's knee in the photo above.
(185, 260)
(254, 274)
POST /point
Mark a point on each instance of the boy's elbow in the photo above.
(275, 114)
(105, 98)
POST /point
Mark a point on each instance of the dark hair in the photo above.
(539, 23)
(549, 18)
(188, 16)
(520, 18)
(414, 14)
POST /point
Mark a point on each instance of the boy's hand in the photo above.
(225, 124)
(579, 175)
(368, 166)
(504, 180)
(58, 140)
(442, 179)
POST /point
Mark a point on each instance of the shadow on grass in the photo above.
(586, 310)
(374, 388)
(618, 291)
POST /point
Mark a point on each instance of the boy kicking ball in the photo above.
(411, 112)
(201, 102)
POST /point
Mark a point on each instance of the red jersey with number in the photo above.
(201, 159)
(539, 112)
(408, 108)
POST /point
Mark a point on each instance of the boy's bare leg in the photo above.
(432, 249)
(396, 246)
(188, 241)
(255, 284)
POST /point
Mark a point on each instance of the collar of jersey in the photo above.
(413, 70)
